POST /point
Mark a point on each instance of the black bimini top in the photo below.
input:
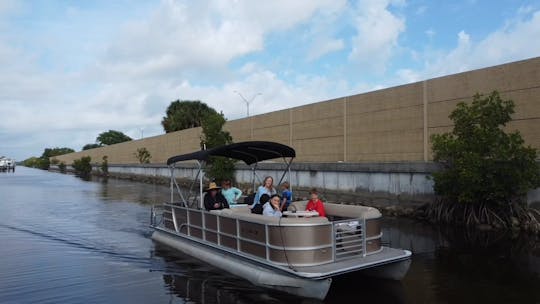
(249, 152)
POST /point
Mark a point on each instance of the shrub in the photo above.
(62, 167)
(143, 155)
(82, 166)
(486, 171)
(105, 166)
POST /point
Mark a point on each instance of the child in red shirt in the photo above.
(315, 204)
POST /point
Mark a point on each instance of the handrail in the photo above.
(346, 239)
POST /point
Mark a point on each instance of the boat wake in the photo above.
(86, 245)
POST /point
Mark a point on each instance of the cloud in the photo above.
(510, 43)
(377, 34)
(321, 48)
(276, 94)
(132, 72)
(180, 38)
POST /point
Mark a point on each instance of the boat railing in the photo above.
(286, 241)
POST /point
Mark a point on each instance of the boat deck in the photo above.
(387, 255)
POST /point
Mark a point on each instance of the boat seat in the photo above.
(262, 219)
(341, 210)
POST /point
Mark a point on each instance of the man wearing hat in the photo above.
(214, 200)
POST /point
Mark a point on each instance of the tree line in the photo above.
(179, 115)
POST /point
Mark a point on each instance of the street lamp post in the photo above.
(246, 101)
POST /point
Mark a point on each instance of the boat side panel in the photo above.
(211, 236)
(373, 227)
(253, 249)
(252, 231)
(227, 225)
(195, 232)
(195, 218)
(167, 218)
(228, 242)
(210, 220)
(373, 245)
(181, 220)
(300, 236)
(301, 257)
(293, 241)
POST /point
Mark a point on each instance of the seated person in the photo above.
(315, 204)
(272, 207)
(213, 200)
(231, 194)
(258, 208)
(266, 188)
(286, 195)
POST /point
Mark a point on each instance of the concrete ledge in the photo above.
(373, 184)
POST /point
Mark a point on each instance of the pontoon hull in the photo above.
(256, 274)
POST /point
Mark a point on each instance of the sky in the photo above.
(70, 70)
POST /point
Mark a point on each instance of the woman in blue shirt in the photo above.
(266, 188)
(232, 194)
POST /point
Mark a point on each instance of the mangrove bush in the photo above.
(486, 172)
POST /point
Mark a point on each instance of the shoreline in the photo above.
(388, 205)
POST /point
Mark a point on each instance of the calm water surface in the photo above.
(65, 240)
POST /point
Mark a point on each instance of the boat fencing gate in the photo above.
(349, 238)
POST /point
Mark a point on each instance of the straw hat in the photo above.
(212, 186)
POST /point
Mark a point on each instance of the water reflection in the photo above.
(192, 280)
(459, 266)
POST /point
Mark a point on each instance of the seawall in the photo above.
(401, 184)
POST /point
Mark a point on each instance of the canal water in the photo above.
(66, 240)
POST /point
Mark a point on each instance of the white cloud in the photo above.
(276, 94)
(205, 34)
(321, 48)
(377, 34)
(515, 41)
(430, 33)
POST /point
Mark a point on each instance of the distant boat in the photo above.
(7, 164)
(296, 254)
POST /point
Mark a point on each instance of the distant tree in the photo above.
(486, 171)
(50, 152)
(213, 135)
(33, 162)
(143, 155)
(91, 146)
(111, 137)
(185, 114)
(44, 162)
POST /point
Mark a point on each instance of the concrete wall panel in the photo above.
(380, 126)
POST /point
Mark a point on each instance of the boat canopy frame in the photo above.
(250, 152)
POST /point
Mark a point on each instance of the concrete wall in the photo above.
(370, 183)
(393, 124)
